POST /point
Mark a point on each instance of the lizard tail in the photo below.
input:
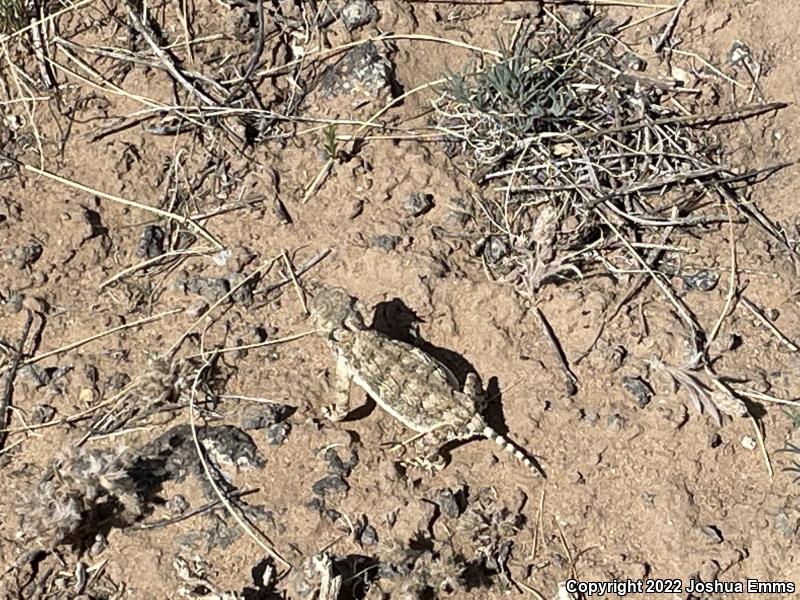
(514, 449)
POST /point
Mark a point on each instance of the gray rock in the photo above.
(277, 433)
(330, 484)
(260, 416)
(703, 280)
(23, 255)
(495, 249)
(338, 466)
(418, 204)
(212, 289)
(368, 537)
(151, 242)
(639, 389)
(448, 503)
(386, 242)
(118, 380)
(786, 524)
(243, 294)
(615, 421)
(357, 13)
(42, 413)
(363, 71)
(712, 533)
(178, 504)
(14, 302)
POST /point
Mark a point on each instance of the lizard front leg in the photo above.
(341, 392)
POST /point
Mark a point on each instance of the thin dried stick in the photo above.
(670, 28)
(151, 261)
(8, 380)
(296, 283)
(733, 286)
(47, 19)
(146, 32)
(79, 343)
(89, 190)
(257, 538)
(767, 323)
(763, 447)
(288, 338)
(211, 308)
(570, 379)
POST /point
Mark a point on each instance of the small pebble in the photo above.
(23, 255)
(277, 433)
(118, 380)
(714, 440)
(418, 204)
(615, 421)
(42, 413)
(357, 13)
(14, 302)
(338, 466)
(330, 484)
(786, 524)
(709, 571)
(259, 416)
(748, 442)
(639, 389)
(368, 537)
(151, 242)
(177, 505)
(386, 242)
(100, 543)
(281, 213)
(703, 280)
(211, 289)
(448, 503)
(495, 249)
(712, 533)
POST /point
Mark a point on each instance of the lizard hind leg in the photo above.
(429, 457)
(341, 390)
(473, 389)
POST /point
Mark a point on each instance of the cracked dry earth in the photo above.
(638, 483)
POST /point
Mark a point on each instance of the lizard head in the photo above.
(333, 310)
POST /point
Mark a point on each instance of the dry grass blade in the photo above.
(698, 392)
(89, 190)
(8, 379)
(246, 527)
(92, 338)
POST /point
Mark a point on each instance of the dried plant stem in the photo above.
(152, 261)
(768, 324)
(733, 285)
(257, 272)
(146, 32)
(259, 537)
(8, 379)
(687, 317)
(760, 438)
(300, 294)
(92, 338)
(288, 338)
(89, 190)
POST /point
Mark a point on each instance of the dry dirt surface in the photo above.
(177, 180)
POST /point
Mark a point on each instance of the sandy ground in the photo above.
(631, 492)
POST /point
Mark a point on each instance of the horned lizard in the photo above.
(409, 384)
